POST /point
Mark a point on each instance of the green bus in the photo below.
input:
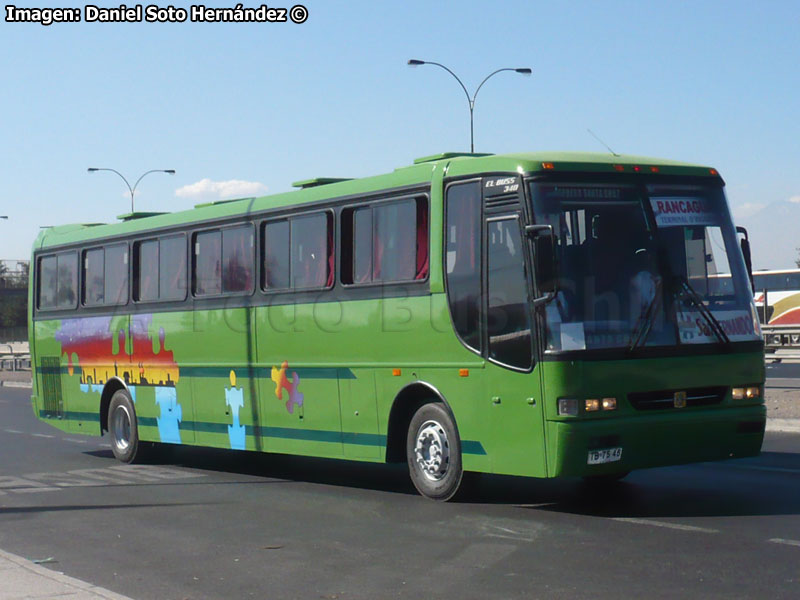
(541, 315)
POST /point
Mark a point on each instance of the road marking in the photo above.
(785, 542)
(74, 441)
(116, 475)
(477, 556)
(43, 435)
(666, 525)
(758, 468)
(12, 431)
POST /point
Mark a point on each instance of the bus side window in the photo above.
(146, 271)
(386, 242)
(275, 260)
(310, 244)
(48, 282)
(207, 263)
(115, 288)
(159, 269)
(237, 259)
(172, 268)
(93, 266)
(463, 260)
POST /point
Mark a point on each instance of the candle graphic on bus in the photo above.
(234, 398)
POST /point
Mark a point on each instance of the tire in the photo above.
(433, 449)
(122, 427)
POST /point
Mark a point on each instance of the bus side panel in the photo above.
(50, 405)
(160, 387)
(299, 360)
(76, 358)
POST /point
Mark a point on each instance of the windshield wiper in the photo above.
(645, 321)
(711, 320)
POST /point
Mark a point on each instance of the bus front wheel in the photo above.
(122, 427)
(434, 452)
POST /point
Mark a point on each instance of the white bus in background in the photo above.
(777, 299)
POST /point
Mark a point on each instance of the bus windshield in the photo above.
(639, 265)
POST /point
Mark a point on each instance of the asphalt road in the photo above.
(783, 375)
(214, 524)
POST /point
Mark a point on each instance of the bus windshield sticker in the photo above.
(737, 324)
(572, 336)
(682, 211)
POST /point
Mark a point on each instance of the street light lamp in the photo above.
(522, 71)
(132, 189)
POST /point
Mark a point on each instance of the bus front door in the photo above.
(513, 384)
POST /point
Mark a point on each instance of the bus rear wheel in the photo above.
(122, 427)
(434, 453)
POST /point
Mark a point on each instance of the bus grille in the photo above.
(665, 399)
(51, 387)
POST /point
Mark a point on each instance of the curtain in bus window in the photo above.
(67, 279)
(116, 274)
(172, 268)
(208, 273)
(508, 318)
(237, 259)
(276, 255)
(48, 281)
(362, 245)
(422, 240)
(462, 260)
(93, 287)
(309, 251)
(329, 251)
(147, 263)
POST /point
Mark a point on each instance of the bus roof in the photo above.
(421, 172)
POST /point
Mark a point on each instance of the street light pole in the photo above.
(132, 189)
(471, 100)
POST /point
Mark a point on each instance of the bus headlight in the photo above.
(749, 392)
(591, 405)
(609, 403)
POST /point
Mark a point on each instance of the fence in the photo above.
(781, 341)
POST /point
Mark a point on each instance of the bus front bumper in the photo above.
(653, 440)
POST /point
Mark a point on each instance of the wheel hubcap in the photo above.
(432, 450)
(121, 428)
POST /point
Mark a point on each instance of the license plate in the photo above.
(598, 457)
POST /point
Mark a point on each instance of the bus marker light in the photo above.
(637, 168)
(463, 372)
(654, 169)
(568, 407)
(609, 403)
(548, 166)
(592, 405)
(619, 168)
(713, 171)
(397, 372)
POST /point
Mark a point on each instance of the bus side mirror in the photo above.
(544, 256)
(745, 244)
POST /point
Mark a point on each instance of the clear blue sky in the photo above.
(710, 82)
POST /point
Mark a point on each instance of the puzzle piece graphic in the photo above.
(282, 383)
(171, 415)
(295, 395)
(279, 377)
